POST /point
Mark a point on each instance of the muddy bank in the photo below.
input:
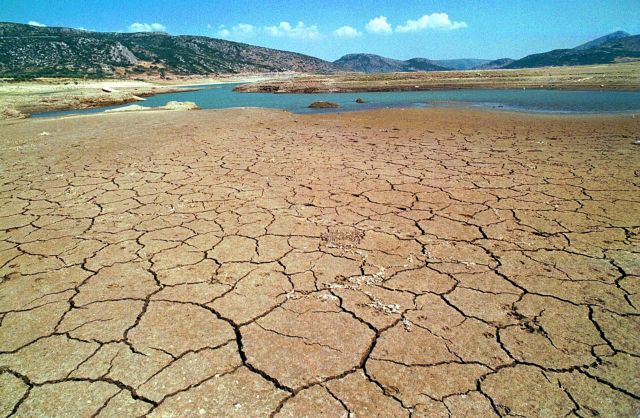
(19, 100)
(597, 77)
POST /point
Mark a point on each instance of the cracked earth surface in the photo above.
(257, 263)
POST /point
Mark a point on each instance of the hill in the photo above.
(603, 39)
(422, 64)
(370, 63)
(30, 51)
(495, 64)
(608, 52)
(461, 63)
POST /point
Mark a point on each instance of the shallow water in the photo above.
(221, 96)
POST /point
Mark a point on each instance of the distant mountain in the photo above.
(370, 63)
(421, 64)
(602, 40)
(33, 51)
(462, 63)
(495, 64)
(30, 51)
(616, 50)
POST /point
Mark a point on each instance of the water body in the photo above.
(221, 96)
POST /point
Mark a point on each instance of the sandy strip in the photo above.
(623, 76)
(254, 262)
(21, 99)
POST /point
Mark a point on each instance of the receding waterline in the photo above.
(222, 96)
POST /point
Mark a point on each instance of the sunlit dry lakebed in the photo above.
(431, 262)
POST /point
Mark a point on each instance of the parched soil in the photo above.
(624, 76)
(434, 262)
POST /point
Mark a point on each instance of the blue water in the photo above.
(221, 96)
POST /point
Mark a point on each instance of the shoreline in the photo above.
(93, 103)
(24, 98)
(444, 87)
(52, 95)
(459, 110)
(445, 105)
(610, 77)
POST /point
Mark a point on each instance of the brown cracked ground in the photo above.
(258, 263)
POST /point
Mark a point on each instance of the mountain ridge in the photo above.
(607, 52)
(372, 63)
(603, 39)
(462, 63)
(27, 50)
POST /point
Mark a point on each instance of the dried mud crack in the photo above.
(250, 262)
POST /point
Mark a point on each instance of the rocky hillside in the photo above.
(29, 51)
(607, 52)
(602, 40)
(495, 64)
(461, 63)
(370, 63)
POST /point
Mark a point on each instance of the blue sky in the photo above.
(330, 28)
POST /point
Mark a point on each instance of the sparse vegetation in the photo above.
(28, 52)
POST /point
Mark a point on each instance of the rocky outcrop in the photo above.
(169, 106)
(10, 113)
(324, 105)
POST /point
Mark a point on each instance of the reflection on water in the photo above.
(221, 96)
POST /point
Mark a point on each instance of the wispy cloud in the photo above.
(146, 27)
(379, 25)
(432, 21)
(38, 24)
(347, 32)
(299, 31)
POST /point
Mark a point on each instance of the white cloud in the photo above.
(239, 31)
(347, 32)
(379, 25)
(432, 21)
(147, 27)
(300, 31)
(244, 30)
(38, 24)
(223, 32)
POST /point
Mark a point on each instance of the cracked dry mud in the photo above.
(257, 263)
